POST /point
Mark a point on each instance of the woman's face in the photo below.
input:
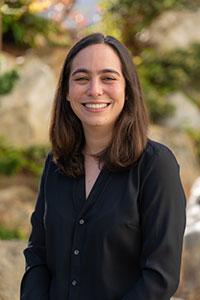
(96, 86)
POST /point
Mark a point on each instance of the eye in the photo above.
(81, 79)
(108, 78)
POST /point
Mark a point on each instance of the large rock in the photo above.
(174, 29)
(193, 209)
(11, 268)
(7, 62)
(190, 278)
(25, 112)
(190, 284)
(16, 206)
(187, 114)
(180, 143)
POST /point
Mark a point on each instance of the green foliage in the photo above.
(131, 17)
(27, 29)
(9, 234)
(166, 73)
(28, 161)
(156, 102)
(175, 69)
(195, 135)
(160, 73)
(7, 81)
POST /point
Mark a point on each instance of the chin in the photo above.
(97, 124)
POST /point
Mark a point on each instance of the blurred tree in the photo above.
(27, 160)
(160, 73)
(164, 73)
(131, 17)
(23, 24)
(7, 81)
(1, 3)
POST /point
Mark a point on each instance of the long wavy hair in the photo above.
(129, 136)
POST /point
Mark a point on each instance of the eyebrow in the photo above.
(83, 70)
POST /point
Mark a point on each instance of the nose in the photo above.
(95, 88)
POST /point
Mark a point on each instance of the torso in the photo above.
(92, 171)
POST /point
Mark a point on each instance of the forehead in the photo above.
(96, 57)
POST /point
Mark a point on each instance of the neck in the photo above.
(96, 140)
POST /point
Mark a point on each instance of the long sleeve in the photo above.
(162, 209)
(35, 282)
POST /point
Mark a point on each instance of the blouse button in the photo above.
(74, 282)
(81, 221)
(76, 251)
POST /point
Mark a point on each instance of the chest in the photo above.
(111, 198)
(103, 227)
(92, 171)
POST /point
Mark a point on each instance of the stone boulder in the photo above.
(193, 209)
(182, 146)
(7, 62)
(11, 268)
(190, 284)
(25, 112)
(187, 114)
(16, 206)
(190, 278)
(174, 29)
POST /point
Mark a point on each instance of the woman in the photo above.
(110, 214)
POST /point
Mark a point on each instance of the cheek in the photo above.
(75, 91)
(72, 90)
(119, 94)
(118, 89)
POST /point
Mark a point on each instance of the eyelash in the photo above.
(81, 79)
(109, 78)
(86, 79)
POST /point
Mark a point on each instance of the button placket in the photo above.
(74, 282)
(76, 252)
(81, 221)
(78, 238)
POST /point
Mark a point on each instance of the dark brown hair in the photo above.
(130, 130)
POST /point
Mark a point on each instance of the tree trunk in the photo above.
(1, 26)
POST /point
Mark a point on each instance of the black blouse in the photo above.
(123, 243)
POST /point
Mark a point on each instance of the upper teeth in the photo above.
(95, 105)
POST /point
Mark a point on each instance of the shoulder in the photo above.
(48, 159)
(159, 157)
(50, 165)
(154, 149)
(48, 162)
(157, 150)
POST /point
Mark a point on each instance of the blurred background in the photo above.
(163, 37)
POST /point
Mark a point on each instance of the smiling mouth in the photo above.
(95, 105)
